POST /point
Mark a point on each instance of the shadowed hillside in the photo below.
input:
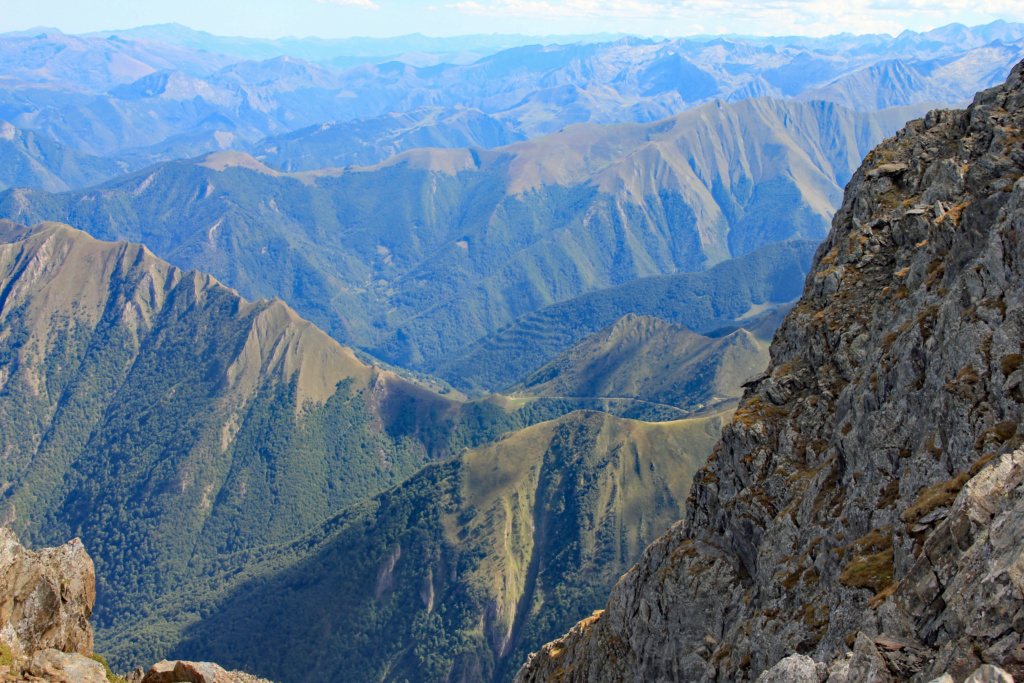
(458, 572)
(706, 302)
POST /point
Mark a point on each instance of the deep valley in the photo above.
(511, 358)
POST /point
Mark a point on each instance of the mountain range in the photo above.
(749, 291)
(569, 260)
(460, 570)
(339, 51)
(198, 443)
(111, 95)
(160, 416)
(418, 257)
(364, 142)
(28, 159)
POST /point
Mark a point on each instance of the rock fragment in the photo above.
(795, 669)
(65, 667)
(987, 673)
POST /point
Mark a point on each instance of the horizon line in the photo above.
(51, 30)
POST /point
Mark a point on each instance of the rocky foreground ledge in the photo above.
(46, 599)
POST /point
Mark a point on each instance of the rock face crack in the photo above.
(869, 489)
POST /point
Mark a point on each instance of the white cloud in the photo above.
(1002, 7)
(569, 9)
(777, 17)
(361, 4)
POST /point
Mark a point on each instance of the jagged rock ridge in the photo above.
(868, 492)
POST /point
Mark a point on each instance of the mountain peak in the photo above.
(223, 160)
(1009, 95)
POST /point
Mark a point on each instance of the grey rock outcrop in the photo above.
(195, 672)
(65, 667)
(868, 495)
(867, 664)
(46, 597)
(989, 674)
(795, 669)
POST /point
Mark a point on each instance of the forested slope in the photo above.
(458, 572)
(167, 421)
(703, 302)
(645, 358)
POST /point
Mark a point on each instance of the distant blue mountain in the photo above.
(322, 49)
(168, 90)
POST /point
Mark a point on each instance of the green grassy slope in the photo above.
(699, 301)
(168, 422)
(422, 255)
(458, 572)
(657, 362)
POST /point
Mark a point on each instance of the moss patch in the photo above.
(1011, 362)
(872, 564)
(869, 571)
(997, 435)
(934, 497)
(6, 656)
(111, 676)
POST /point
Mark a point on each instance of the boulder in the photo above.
(795, 669)
(986, 673)
(201, 672)
(194, 672)
(887, 170)
(161, 672)
(65, 667)
(867, 665)
(46, 597)
(839, 672)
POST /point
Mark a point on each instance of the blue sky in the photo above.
(346, 18)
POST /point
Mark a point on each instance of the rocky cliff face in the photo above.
(46, 597)
(868, 494)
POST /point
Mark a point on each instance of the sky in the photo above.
(381, 18)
